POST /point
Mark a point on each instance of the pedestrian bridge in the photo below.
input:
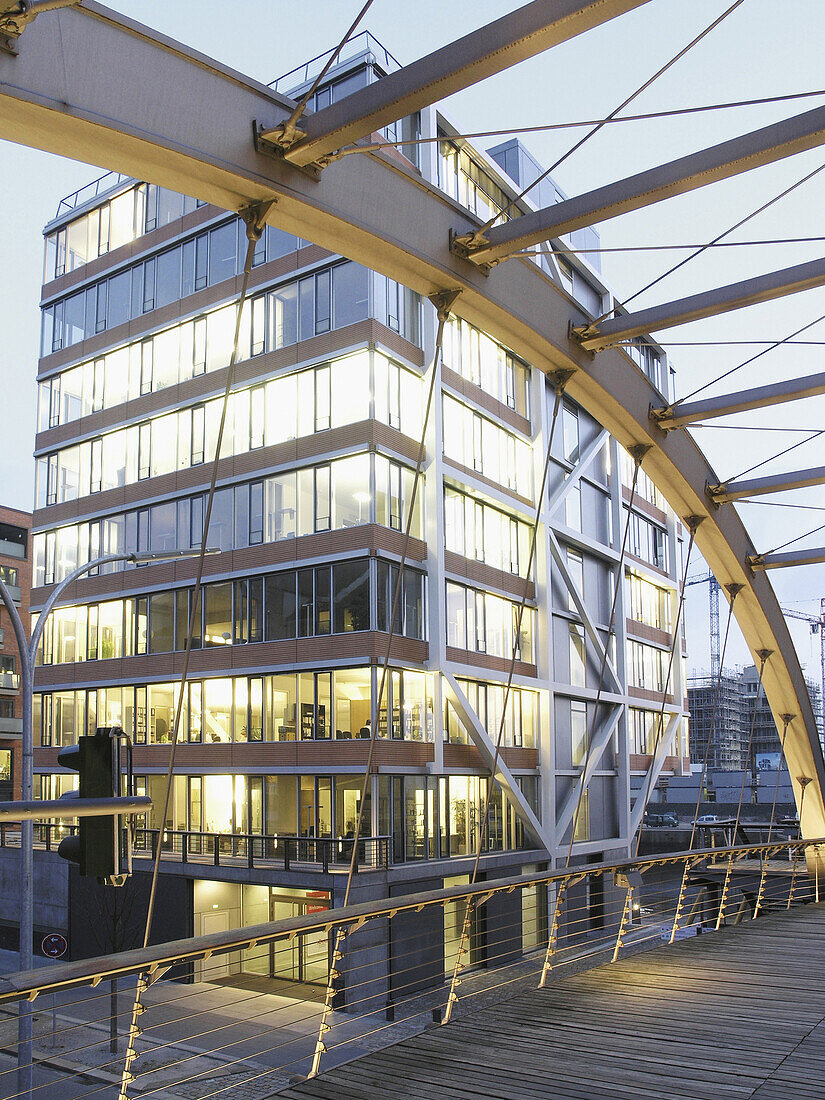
(738, 1014)
(692, 974)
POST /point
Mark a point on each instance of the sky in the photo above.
(761, 49)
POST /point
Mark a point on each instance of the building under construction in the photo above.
(729, 729)
(724, 730)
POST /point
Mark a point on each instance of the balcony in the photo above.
(16, 593)
(9, 549)
(9, 681)
(255, 850)
(11, 726)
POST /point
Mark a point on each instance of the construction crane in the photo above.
(817, 625)
(715, 637)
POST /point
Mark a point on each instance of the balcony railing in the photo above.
(9, 681)
(359, 43)
(91, 191)
(230, 849)
(11, 725)
(11, 549)
(16, 592)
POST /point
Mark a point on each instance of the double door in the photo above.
(302, 959)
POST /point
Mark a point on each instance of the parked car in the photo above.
(661, 821)
(707, 819)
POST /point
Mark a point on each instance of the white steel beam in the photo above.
(729, 158)
(758, 397)
(814, 556)
(762, 486)
(487, 748)
(566, 487)
(589, 625)
(710, 303)
(601, 739)
(377, 213)
(523, 33)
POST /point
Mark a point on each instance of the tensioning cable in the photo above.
(442, 302)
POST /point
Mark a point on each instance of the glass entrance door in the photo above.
(305, 958)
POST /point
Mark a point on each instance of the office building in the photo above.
(314, 492)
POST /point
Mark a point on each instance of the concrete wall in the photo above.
(106, 918)
(51, 893)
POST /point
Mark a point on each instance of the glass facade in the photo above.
(319, 452)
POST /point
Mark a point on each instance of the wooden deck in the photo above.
(734, 1015)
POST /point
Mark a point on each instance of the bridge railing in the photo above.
(253, 1006)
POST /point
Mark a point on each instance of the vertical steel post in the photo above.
(793, 880)
(724, 899)
(679, 904)
(626, 914)
(553, 935)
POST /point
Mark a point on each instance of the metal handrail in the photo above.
(161, 957)
(350, 49)
(90, 191)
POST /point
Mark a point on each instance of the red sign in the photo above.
(316, 909)
(54, 946)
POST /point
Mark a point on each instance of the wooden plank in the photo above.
(734, 1015)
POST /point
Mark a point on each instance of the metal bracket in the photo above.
(661, 417)
(463, 244)
(583, 332)
(443, 301)
(560, 378)
(459, 243)
(638, 451)
(715, 492)
(254, 217)
(627, 880)
(576, 333)
(264, 144)
(15, 17)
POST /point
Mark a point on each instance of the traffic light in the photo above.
(99, 847)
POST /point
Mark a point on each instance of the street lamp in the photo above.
(28, 653)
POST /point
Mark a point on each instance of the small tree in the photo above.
(108, 910)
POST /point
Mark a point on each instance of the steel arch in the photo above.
(377, 210)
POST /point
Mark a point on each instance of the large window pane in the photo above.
(351, 709)
(351, 491)
(222, 253)
(350, 389)
(280, 507)
(161, 701)
(280, 605)
(351, 596)
(168, 278)
(161, 622)
(282, 317)
(217, 628)
(350, 294)
(280, 708)
(217, 710)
